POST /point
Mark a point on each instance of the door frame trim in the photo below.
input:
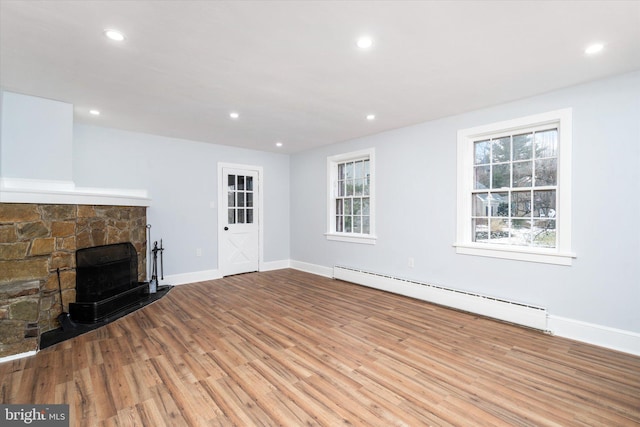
(260, 203)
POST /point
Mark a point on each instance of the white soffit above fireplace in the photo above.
(18, 190)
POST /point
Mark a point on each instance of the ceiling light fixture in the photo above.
(594, 48)
(114, 35)
(364, 42)
(278, 144)
(371, 117)
(234, 115)
(94, 112)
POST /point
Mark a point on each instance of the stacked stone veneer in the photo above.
(35, 241)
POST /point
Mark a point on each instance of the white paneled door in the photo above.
(239, 226)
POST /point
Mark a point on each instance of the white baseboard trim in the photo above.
(603, 336)
(485, 305)
(196, 276)
(202, 276)
(590, 333)
(17, 356)
(275, 265)
(312, 268)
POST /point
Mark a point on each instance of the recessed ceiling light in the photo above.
(234, 115)
(94, 112)
(364, 42)
(371, 117)
(114, 35)
(594, 48)
(278, 144)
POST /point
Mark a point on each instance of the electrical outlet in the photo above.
(411, 262)
(198, 252)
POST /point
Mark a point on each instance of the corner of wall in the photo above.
(602, 336)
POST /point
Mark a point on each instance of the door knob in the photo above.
(226, 228)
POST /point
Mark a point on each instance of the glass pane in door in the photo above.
(240, 199)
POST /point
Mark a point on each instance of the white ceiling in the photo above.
(292, 70)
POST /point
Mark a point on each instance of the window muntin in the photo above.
(350, 214)
(514, 189)
(240, 199)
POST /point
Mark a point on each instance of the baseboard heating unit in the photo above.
(509, 311)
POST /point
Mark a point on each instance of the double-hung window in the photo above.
(514, 188)
(351, 215)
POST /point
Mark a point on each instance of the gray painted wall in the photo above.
(416, 208)
(181, 177)
(416, 201)
(36, 138)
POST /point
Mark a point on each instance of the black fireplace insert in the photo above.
(106, 282)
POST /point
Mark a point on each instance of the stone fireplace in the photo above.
(45, 218)
(38, 239)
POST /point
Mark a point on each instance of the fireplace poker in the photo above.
(149, 272)
(161, 261)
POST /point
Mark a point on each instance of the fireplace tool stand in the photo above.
(153, 284)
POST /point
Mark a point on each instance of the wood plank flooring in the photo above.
(289, 348)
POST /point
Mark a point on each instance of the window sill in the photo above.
(366, 239)
(514, 253)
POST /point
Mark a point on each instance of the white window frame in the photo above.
(332, 177)
(561, 254)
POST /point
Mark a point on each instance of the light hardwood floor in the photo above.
(290, 348)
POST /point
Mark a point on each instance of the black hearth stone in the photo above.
(96, 311)
(55, 336)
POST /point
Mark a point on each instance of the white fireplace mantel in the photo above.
(19, 190)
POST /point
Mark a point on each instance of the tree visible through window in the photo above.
(514, 189)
